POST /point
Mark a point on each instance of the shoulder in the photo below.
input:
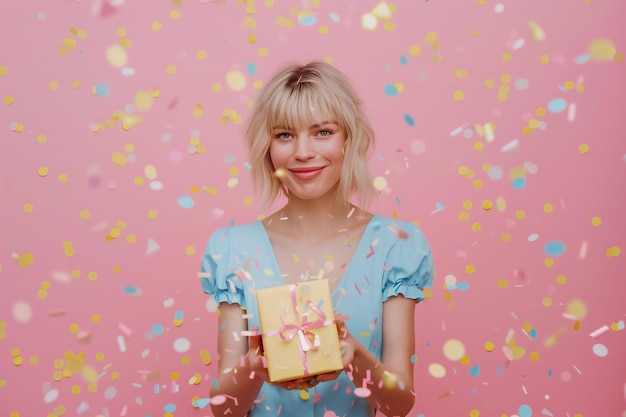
(233, 239)
(398, 230)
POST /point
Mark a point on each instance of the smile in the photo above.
(306, 173)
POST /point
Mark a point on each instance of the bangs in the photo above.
(304, 104)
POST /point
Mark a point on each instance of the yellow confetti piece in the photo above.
(380, 183)
(150, 172)
(613, 251)
(489, 346)
(143, 100)
(453, 349)
(536, 32)
(235, 80)
(602, 50)
(576, 309)
(117, 56)
(304, 395)
(25, 260)
(436, 370)
(381, 11)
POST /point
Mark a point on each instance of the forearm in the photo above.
(391, 392)
(240, 386)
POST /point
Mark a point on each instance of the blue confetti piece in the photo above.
(101, 90)
(178, 315)
(185, 201)
(533, 333)
(519, 183)
(463, 286)
(557, 105)
(404, 60)
(307, 20)
(156, 185)
(475, 370)
(169, 408)
(391, 90)
(130, 290)
(583, 58)
(157, 329)
(549, 372)
(554, 248)
(334, 16)
(201, 402)
(251, 68)
(524, 411)
(413, 359)
(409, 120)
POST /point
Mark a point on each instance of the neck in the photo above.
(312, 220)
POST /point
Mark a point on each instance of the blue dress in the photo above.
(392, 258)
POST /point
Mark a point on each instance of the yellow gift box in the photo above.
(298, 330)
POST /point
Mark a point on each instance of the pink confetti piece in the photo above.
(582, 252)
(571, 112)
(599, 332)
(124, 329)
(371, 253)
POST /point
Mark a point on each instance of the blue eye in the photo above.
(283, 136)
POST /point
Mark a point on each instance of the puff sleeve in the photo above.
(219, 276)
(409, 266)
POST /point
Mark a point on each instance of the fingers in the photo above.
(254, 343)
(329, 376)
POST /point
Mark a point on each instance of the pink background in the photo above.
(102, 314)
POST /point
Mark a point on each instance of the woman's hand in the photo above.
(347, 344)
(256, 360)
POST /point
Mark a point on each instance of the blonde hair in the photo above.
(311, 93)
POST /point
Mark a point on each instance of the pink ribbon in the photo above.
(307, 340)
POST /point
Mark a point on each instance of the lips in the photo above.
(306, 173)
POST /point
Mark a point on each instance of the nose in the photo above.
(305, 148)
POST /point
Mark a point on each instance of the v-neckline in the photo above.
(359, 248)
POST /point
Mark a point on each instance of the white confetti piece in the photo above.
(121, 343)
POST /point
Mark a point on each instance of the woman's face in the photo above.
(308, 159)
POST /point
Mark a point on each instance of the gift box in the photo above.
(298, 330)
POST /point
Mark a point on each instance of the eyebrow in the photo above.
(314, 126)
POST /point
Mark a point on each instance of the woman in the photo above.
(309, 139)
